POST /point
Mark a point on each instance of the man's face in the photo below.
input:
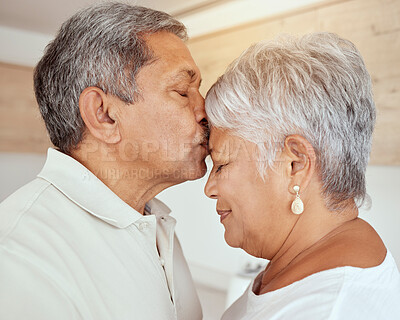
(164, 131)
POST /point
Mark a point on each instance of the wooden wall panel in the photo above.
(21, 126)
(374, 27)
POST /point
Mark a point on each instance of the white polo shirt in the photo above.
(72, 249)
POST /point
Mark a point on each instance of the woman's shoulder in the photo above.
(330, 294)
(351, 274)
(355, 244)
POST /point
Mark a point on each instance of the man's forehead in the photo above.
(168, 48)
(171, 56)
(171, 72)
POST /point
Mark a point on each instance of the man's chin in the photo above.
(200, 173)
(195, 172)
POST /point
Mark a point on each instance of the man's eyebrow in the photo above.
(190, 72)
(185, 73)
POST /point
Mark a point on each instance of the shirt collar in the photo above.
(82, 187)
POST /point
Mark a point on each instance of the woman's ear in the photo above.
(301, 161)
(96, 109)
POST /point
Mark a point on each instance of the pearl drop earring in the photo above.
(297, 204)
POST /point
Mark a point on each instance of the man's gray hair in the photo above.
(100, 46)
(316, 86)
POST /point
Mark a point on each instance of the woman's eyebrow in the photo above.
(218, 155)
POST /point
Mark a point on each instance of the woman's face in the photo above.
(255, 214)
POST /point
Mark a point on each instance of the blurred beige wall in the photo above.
(372, 25)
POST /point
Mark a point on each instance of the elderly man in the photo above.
(119, 93)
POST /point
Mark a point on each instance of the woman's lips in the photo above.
(223, 213)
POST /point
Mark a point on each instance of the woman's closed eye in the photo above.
(219, 168)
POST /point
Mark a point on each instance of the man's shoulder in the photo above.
(25, 271)
(15, 206)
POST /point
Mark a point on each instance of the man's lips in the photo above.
(205, 146)
(223, 213)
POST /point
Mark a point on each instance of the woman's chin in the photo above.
(231, 241)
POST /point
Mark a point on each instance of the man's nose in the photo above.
(204, 123)
(199, 111)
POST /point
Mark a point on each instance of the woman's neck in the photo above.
(314, 227)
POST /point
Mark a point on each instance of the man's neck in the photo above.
(130, 181)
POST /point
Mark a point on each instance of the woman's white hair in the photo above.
(316, 86)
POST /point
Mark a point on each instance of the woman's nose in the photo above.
(210, 188)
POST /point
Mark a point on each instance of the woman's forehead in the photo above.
(224, 145)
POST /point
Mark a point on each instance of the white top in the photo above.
(335, 294)
(71, 249)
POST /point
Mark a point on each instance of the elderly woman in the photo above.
(291, 124)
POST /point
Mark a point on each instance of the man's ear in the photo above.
(301, 161)
(96, 111)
